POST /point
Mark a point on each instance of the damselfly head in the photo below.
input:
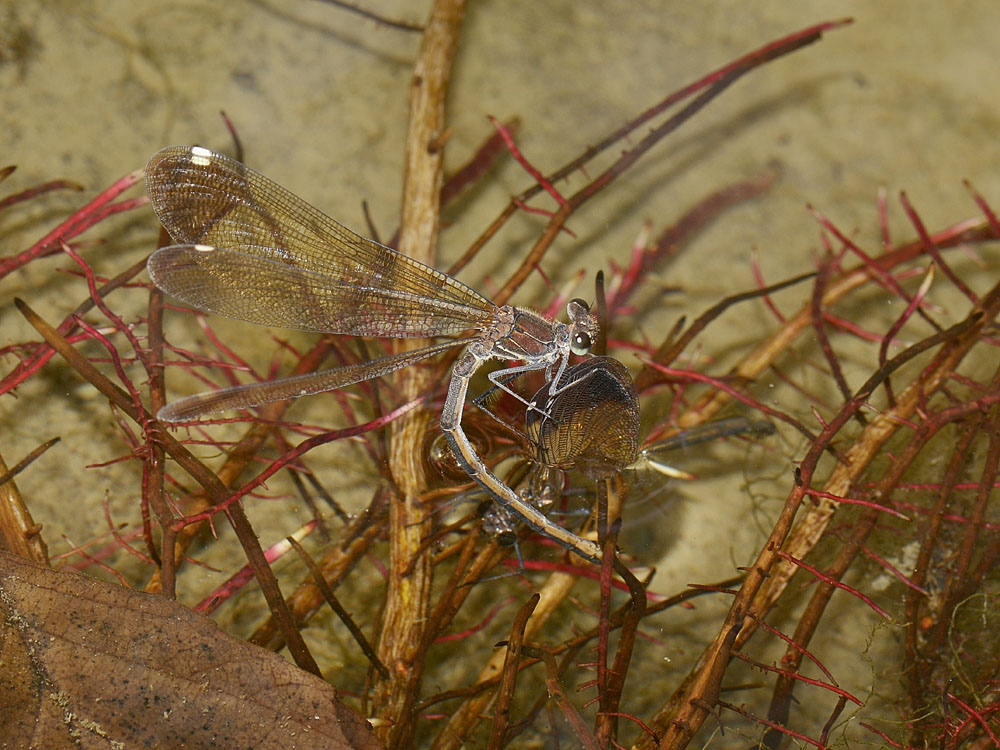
(583, 326)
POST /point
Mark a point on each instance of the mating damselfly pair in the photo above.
(252, 250)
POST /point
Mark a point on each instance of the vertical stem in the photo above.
(408, 595)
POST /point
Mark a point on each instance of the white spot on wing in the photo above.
(203, 248)
(200, 156)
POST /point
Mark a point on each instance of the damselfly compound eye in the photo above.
(581, 343)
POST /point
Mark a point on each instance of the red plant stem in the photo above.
(525, 164)
(34, 192)
(856, 501)
(833, 582)
(880, 273)
(798, 647)
(121, 541)
(227, 352)
(816, 302)
(988, 212)
(977, 717)
(244, 575)
(895, 571)
(854, 329)
(800, 678)
(897, 326)
(116, 363)
(883, 219)
(773, 725)
(92, 213)
(932, 250)
(635, 720)
(43, 353)
(758, 277)
(119, 324)
(32, 363)
(882, 734)
(485, 157)
(479, 626)
(831, 720)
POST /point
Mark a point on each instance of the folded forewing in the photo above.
(268, 292)
(207, 199)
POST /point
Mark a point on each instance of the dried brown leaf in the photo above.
(90, 664)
